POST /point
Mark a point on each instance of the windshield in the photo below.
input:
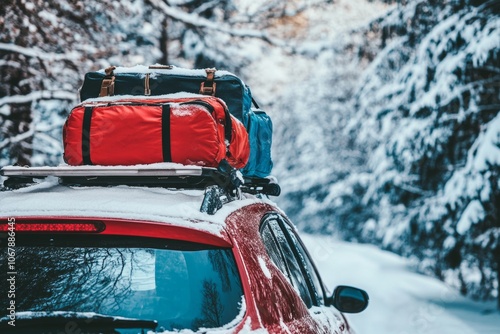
(178, 284)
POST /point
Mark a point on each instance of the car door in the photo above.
(288, 253)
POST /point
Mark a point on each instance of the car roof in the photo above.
(175, 207)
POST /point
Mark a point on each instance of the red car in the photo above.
(79, 257)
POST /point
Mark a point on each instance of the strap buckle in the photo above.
(209, 86)
(108, 83)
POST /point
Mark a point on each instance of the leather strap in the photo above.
(108, 83)
(147, 90)
(208, 87)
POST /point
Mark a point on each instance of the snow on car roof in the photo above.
(179, 207)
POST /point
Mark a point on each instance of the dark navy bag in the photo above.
(161, 80)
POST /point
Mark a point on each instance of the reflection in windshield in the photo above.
(180, 286)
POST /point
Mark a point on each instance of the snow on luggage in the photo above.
(151, 127)
(159, 80)
(131, 130)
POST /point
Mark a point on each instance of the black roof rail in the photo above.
(222, 185)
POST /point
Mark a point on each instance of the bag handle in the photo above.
(161, 67)
(255, 104)
(108, 83)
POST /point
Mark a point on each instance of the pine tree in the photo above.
(428, 110)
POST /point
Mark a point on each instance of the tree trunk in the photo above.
(164, 42)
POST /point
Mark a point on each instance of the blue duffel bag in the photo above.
(260, 133)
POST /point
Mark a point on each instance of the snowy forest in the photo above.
(386, 113)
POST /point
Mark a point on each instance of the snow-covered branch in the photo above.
(198, 21)
(10, 63)
(205, 6)
(19, 138)
(37, 53)
(45, 95)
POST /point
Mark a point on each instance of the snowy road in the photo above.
(401, 302)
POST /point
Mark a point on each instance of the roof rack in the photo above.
(222, 185)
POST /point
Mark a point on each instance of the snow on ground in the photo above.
(401, 301)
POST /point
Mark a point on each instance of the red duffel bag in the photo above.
(194, 130)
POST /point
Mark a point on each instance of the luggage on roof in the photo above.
(159, 80)
(194, 130)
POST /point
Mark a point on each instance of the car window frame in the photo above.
(275, 242)
(317, 297)
(304, 255)
(297, 279)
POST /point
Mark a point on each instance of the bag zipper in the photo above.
(228, 129)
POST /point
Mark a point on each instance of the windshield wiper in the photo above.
(88, 321)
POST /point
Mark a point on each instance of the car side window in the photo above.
(295, 273)
(311, 269)
(274, 251)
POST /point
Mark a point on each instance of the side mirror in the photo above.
(348, 299)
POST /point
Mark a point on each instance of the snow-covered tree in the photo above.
(395, 139)
(388, 133)
(45, 47)
(428, 110)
